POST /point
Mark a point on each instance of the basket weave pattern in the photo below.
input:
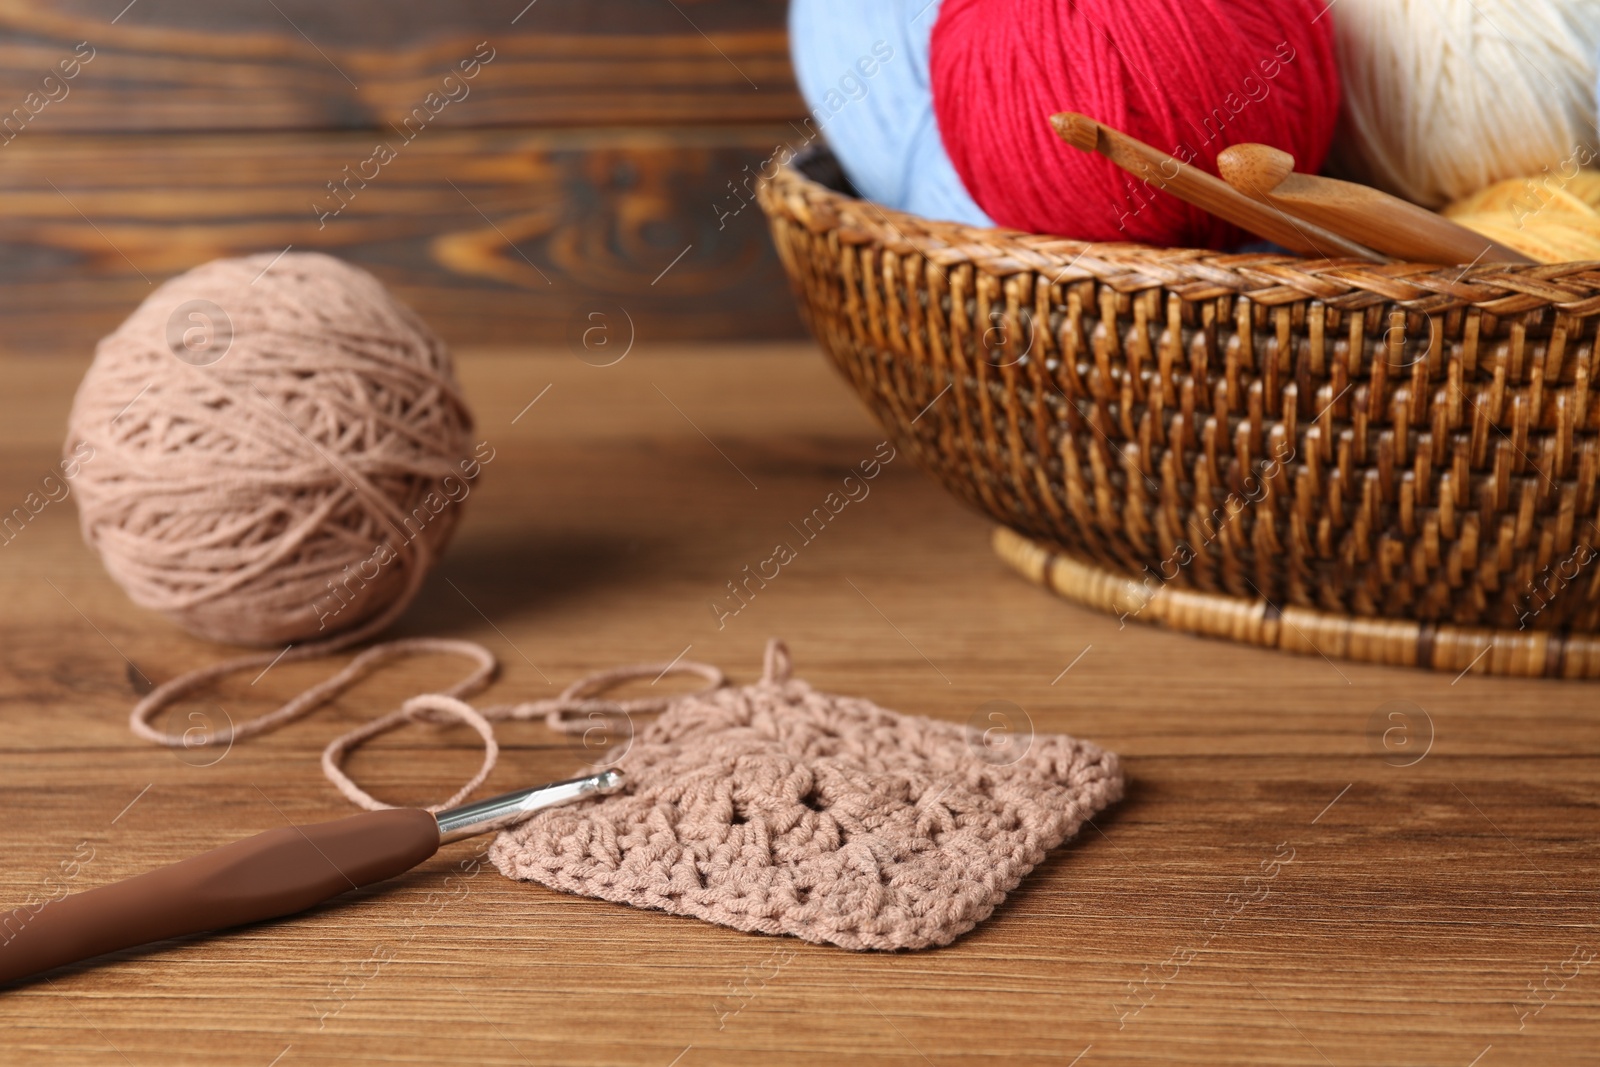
(1394, 463)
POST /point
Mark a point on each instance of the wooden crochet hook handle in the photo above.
(275, 873)
(1206, 191)
(272, 874)
(1371, 216)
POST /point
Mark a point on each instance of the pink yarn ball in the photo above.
(267, 449)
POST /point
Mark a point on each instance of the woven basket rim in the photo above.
(1192, 359)
(1266, 278)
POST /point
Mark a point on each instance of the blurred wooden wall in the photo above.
(595, 145)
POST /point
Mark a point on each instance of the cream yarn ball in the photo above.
(272, 445)
(1443, 98)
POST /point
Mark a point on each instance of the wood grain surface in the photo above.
(505, 236)
(1315, 863)
(305, 64)
(510, 166)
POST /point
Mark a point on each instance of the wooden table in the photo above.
(1316, 862)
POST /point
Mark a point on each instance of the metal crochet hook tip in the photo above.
(509, 809)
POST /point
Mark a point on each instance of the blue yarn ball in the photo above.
(862, 66)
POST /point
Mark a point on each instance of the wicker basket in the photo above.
(1393, 464)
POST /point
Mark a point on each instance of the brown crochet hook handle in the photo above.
(1206, 191)
(1387, 223)
(272, 874)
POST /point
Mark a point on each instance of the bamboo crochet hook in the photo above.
(272, 874)
(1386, 223)
(1206, 191)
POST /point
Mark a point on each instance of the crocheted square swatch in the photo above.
(778, 809)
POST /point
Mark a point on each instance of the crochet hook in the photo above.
(272, 874)
(1387, 223)
(1206, 191)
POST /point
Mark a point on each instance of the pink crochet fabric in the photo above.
(779, 809)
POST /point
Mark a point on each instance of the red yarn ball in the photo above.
(1189, 77)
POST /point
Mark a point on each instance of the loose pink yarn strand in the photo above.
(579, 698)
(166, 693)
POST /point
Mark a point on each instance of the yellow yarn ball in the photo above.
(1553, 219)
